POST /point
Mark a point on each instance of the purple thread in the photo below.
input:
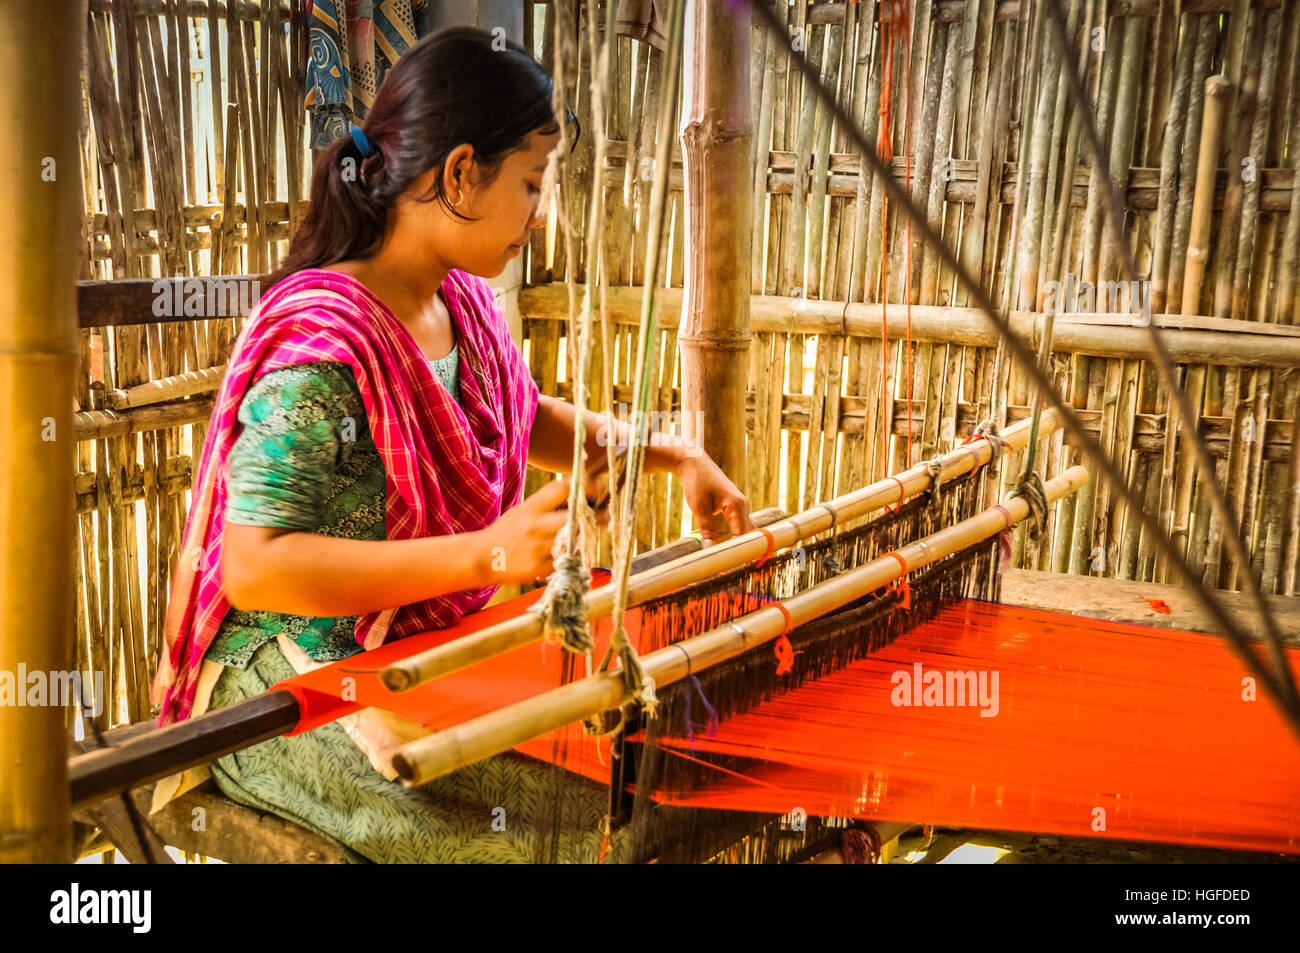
(712, 729)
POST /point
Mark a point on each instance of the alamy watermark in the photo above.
(654, 421)
(37, 689)
(1105, 297)
(945, 689)
(76, 906)
(205, 298)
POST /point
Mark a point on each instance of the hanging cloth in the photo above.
(352, 45)
(644, 20)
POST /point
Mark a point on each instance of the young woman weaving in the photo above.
(363, 472)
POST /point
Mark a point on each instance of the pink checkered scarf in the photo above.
(449, 470)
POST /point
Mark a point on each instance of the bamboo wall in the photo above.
(193, 164)
(201, 170)
(985, 103)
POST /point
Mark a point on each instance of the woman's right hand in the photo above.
(517, 547)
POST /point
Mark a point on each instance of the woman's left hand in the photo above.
(708, 493)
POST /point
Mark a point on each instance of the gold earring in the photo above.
(460, 197)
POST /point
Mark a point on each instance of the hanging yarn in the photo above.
(711, 724)
(563, 606)
(637, 686)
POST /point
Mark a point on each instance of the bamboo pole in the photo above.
(1189, 338)
(1217, 91)
(717, 137)
(442, 752)
(41, 207)
(719, 558)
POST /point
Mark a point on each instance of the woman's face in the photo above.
(503, 212)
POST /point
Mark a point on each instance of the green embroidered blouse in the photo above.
(305, 460)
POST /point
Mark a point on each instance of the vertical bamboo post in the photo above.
(41, 207)
(716, 138)
(1217, 89)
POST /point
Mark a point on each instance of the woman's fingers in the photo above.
(552, 495)
(737, 513)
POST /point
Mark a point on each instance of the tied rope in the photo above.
(563, 607)
(934, 467)
(988, 429)
(1030, 488)
(1030, 485)
(831, 563)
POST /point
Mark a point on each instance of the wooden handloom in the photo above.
(500, 691)
(734, 686)
(691, 825)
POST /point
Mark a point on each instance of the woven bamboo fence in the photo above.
(199, 170)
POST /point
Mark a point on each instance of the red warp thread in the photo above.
(895, 36)
(1091, 728)
(902, 493)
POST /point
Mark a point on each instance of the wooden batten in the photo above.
(437, 754)
(719, 558)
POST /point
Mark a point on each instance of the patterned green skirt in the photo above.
(507, 809)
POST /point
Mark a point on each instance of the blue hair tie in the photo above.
(363, 144)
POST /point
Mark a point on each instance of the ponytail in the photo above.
(455, 86)
(344, 221)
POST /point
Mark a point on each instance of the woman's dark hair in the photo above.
(459, 85)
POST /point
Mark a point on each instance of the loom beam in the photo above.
(446, 751)
(723, 557)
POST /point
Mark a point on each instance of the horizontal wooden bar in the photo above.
(130, 301)
(176, 476)
(1190, 339)
(194, 9)
(151, 755)
(98, 424)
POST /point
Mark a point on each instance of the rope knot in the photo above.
(563, 607)
(997, 446)
(649, 700)
(934, 468)
(1030, 488)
